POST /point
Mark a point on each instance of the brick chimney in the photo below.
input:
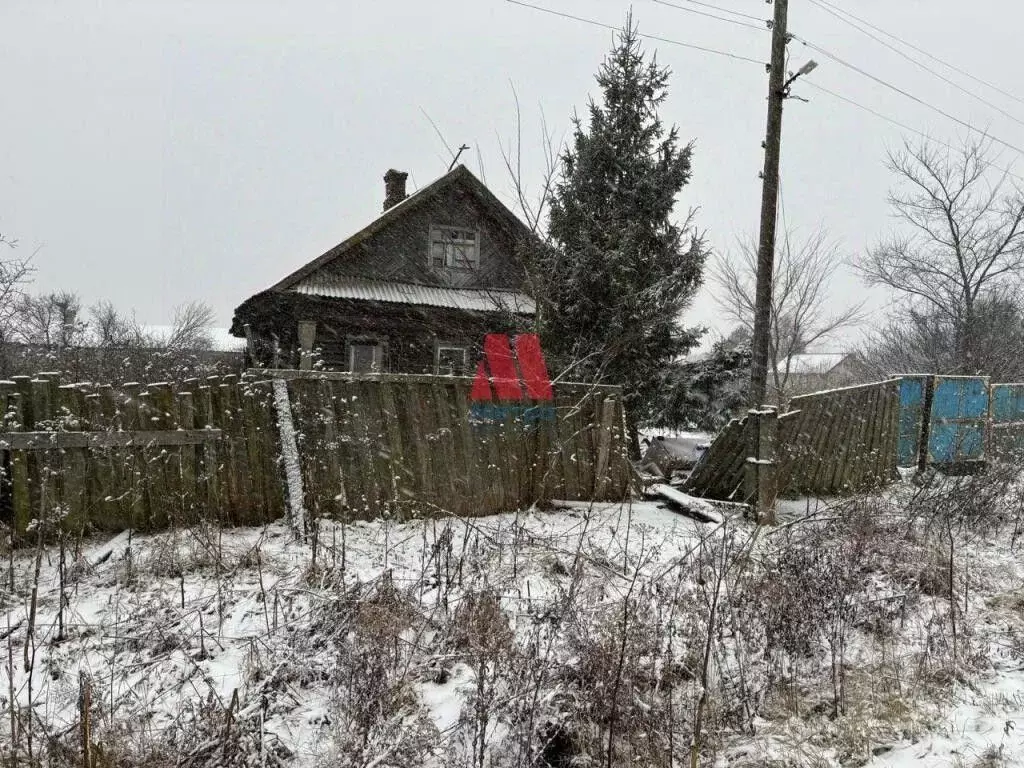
(394, 187)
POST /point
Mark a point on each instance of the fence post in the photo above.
(760, 475)
(926, 423)
(84, 724)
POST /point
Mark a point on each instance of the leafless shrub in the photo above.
(616, 685)
(480, 626)
(973, 504)
(225, 736)
(54, 332)
(822, 583)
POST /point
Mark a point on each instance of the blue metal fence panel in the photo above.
(959, 416)
(1007, 421)
(1007, 403)
(912, 390)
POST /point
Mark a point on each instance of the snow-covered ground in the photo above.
(487, 641)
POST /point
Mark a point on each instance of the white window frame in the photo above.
(378, 364)
(452, 239)
(450, 347)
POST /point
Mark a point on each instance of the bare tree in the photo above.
(52, 321)
(962, 238)
(922, 339)
(15, 274)
(112, 329)
(191, 329)
(531, 206)
(53, 332)
(800, 311)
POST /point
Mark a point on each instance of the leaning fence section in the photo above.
(720, 472)
(828, 443)
(841, 441)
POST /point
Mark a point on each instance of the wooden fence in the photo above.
(828, 443)
(156, 455)
(414, 445)
(139, 456)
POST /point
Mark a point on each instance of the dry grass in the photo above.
(850, 626)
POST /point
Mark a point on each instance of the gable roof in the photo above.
(458, 175)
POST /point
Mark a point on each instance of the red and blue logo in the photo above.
(512, 381)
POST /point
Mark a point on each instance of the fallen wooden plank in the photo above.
(40, 441)
(691, 505)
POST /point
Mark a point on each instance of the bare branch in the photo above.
(964, 238)
(800, 315)
(437, 131)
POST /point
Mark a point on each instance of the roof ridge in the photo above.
(385, 217)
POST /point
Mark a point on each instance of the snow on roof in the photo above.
(344, 287)
(813, 362)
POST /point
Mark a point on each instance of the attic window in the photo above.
(454, 248)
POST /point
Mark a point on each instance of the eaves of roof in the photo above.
(392, 292)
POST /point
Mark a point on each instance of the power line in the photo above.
(764, 26)
(828, 9)
(904, 126)
(923, 52)
(717, 52)
(719, 8)
(902, 92)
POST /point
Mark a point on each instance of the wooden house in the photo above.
(414, 291)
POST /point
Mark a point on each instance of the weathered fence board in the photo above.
(30, 441)
(135, 456)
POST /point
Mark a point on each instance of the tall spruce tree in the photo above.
(622, 270)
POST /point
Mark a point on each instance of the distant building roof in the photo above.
(814, 362)
(346, 287)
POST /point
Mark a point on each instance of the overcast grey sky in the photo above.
(158, 152)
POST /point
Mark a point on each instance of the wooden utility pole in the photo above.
(769, 205)
(761, 425)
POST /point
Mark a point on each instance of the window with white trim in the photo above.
(450, 360)
(365, 357)
(454, 248)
